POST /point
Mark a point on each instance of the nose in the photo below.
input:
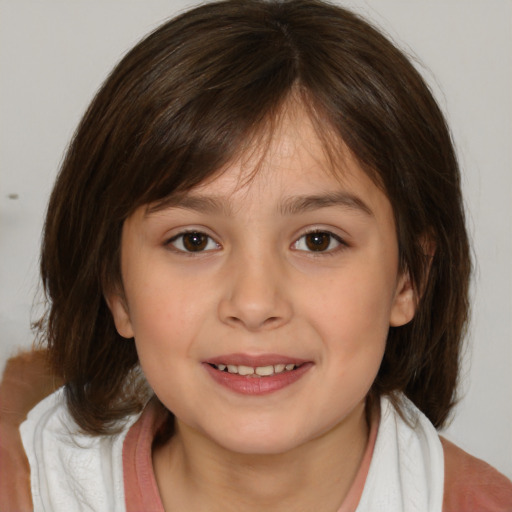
(255, 294)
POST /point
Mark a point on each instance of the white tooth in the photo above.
(290, 367)
(232, 368)
(221, 367)
(263, 371)
(245, 370)
(279, 368)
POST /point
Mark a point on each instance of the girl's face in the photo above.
(260, 308)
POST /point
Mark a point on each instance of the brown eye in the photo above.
(193, 241)
(318, 241)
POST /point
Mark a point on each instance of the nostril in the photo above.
(267, 322)
(253, 312)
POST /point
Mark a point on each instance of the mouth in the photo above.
(256, 375)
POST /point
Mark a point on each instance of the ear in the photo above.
(404, 302)
(119, 309)
(406, 296)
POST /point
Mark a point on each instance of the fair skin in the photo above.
(294, 266)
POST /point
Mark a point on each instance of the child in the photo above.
(259, 221)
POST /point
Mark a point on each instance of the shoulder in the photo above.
(26, 380)
(86, 471)
(473, 485)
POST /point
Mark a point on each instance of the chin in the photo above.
(258, 439)
(259, 446)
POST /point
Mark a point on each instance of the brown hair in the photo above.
(179, 106)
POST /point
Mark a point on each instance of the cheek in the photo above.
(351, 316)
(164, 327)
(354, 306)
(168, 315)
(161, 298)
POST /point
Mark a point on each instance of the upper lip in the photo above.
(254, 360)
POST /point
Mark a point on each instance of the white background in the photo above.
(54, 55)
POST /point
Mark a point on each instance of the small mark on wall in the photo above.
(13, 196)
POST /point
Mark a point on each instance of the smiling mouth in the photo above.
(256, 376)
(255, 371)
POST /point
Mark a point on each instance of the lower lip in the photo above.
(251, 385)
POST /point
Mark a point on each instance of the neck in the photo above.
(194, 473)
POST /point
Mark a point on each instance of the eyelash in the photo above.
(181, 237)
(204, 240)
(328, 251)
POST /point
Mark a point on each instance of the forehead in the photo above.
(292, 162)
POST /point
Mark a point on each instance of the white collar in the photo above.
(75, 472)
(407, 468)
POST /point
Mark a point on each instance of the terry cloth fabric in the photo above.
(407, 469)
(71, 471)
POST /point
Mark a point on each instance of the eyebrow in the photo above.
(201, 204)
(290, 206)
(299, 204)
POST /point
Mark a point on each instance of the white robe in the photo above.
(75, 472)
